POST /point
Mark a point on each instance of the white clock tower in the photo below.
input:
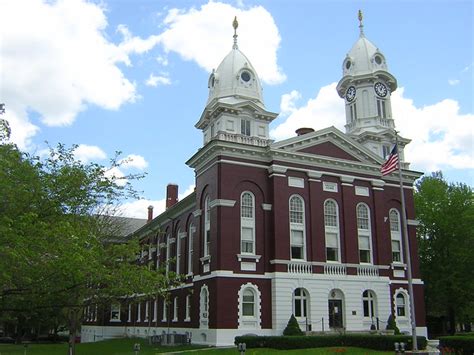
(366, 87)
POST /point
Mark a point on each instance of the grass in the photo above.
(125, 347)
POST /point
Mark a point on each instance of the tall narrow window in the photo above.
(168, 252)
(369, 304)
(245, 127)
(331, 227)
(115, 312)
(191, 232)
(300, 303)
(247, 223)
(381, 108)
(165, 311)
(364, 233)
(175, 309)
(158, 251)
(147, 310)
(207, 227)
(401, 305)
(396, 236)
(188, 308)
(178, 251)
(248, 303)
(297, 228)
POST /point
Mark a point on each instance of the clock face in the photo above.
(380, 89)
(350, 94)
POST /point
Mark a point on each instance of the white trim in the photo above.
(249, 322)
(267, 206)
(204, 308)
(248, 256)
(346, 184)
(197, 213)
(277, 175)
(222, 203)
(413, 222)
(278, 169)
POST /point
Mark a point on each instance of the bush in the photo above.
(376, 342)
(392, 325)
(292, 328)
(463, 344)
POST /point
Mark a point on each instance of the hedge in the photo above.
(376, 342)
(458, 343)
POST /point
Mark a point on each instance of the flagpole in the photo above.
(407, 250)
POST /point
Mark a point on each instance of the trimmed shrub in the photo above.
(292, 328)
(463, 344)
(392, 324)
(376, 342)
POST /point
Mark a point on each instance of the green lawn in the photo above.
(125, 346)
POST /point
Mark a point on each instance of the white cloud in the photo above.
(163, 60)
(116, 174)
(155, 80)
(188, 31)
(139, 208)
(288, 102)
(441, 135)
(55, 61)
(86, 153)
(325, 110)
(453, 82)
(134, 161)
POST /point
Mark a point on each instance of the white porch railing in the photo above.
(336, 269)
(367, 270)
(300, 268)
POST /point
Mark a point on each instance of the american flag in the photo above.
(391, 163)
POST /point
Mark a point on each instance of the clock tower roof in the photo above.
(235, 78)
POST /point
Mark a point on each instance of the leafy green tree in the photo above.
(446, 247)
(55, 232)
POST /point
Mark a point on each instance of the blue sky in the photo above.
(132, 76)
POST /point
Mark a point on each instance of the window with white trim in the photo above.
(165, 311)
(381, 111)
(245, 127)
(207, 227)
(247, 223)
(204, 307)
(331, 228)
(369, 302)
(158, 252)
(175, 309)
(297, 228)
(155, 310)
(188, 308)
(364, 233)
(115, 312)
(396, 236)
(249, 306)
(147, 310)
(191, 231)
(401, 304)
(300, 303)
(168, 253)
(178, 251)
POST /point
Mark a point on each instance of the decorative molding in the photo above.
(413, 222)
(197, 213)
(277, 169)
(377, 183)
(362, 191)
(347, 179)
(330, 186)
(248, 256)
(295, 182)
(222, 203)
(314, 174)
(346, 184)
(279, 175)
(267, 206)
(248, 266)
(314, 180)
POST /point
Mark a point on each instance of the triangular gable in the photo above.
(329, 142)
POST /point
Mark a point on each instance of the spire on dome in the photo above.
(235, 24)
(361, 26)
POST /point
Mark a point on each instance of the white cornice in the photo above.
(222, 203)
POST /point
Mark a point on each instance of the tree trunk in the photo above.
(74, 318)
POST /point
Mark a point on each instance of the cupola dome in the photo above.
(235, 78)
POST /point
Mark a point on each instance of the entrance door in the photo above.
(335, 314)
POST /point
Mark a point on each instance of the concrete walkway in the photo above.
(202, 349)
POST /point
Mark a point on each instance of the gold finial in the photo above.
(361, 26)
(235, 24)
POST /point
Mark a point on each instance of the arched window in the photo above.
(331, 227)
(396, 236)
(178, 250)
(204, 307)
(297, 228)
(168, 252)
(249, 307)
(191, 231)
(207, 226)
(401, 305)
(247, 223)
(364, 233)
(300, 303)
(248, 303)
(369, 304)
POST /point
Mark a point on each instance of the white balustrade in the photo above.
(300, 268)
(335, 269)
(367, 270)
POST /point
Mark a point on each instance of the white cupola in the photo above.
(235, 110)
(366, 87)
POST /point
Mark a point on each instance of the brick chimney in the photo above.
(171, 195)
(303, 130)
(150, 214)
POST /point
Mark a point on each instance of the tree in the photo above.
(446, 247)
(55, 254)
(292, 328)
